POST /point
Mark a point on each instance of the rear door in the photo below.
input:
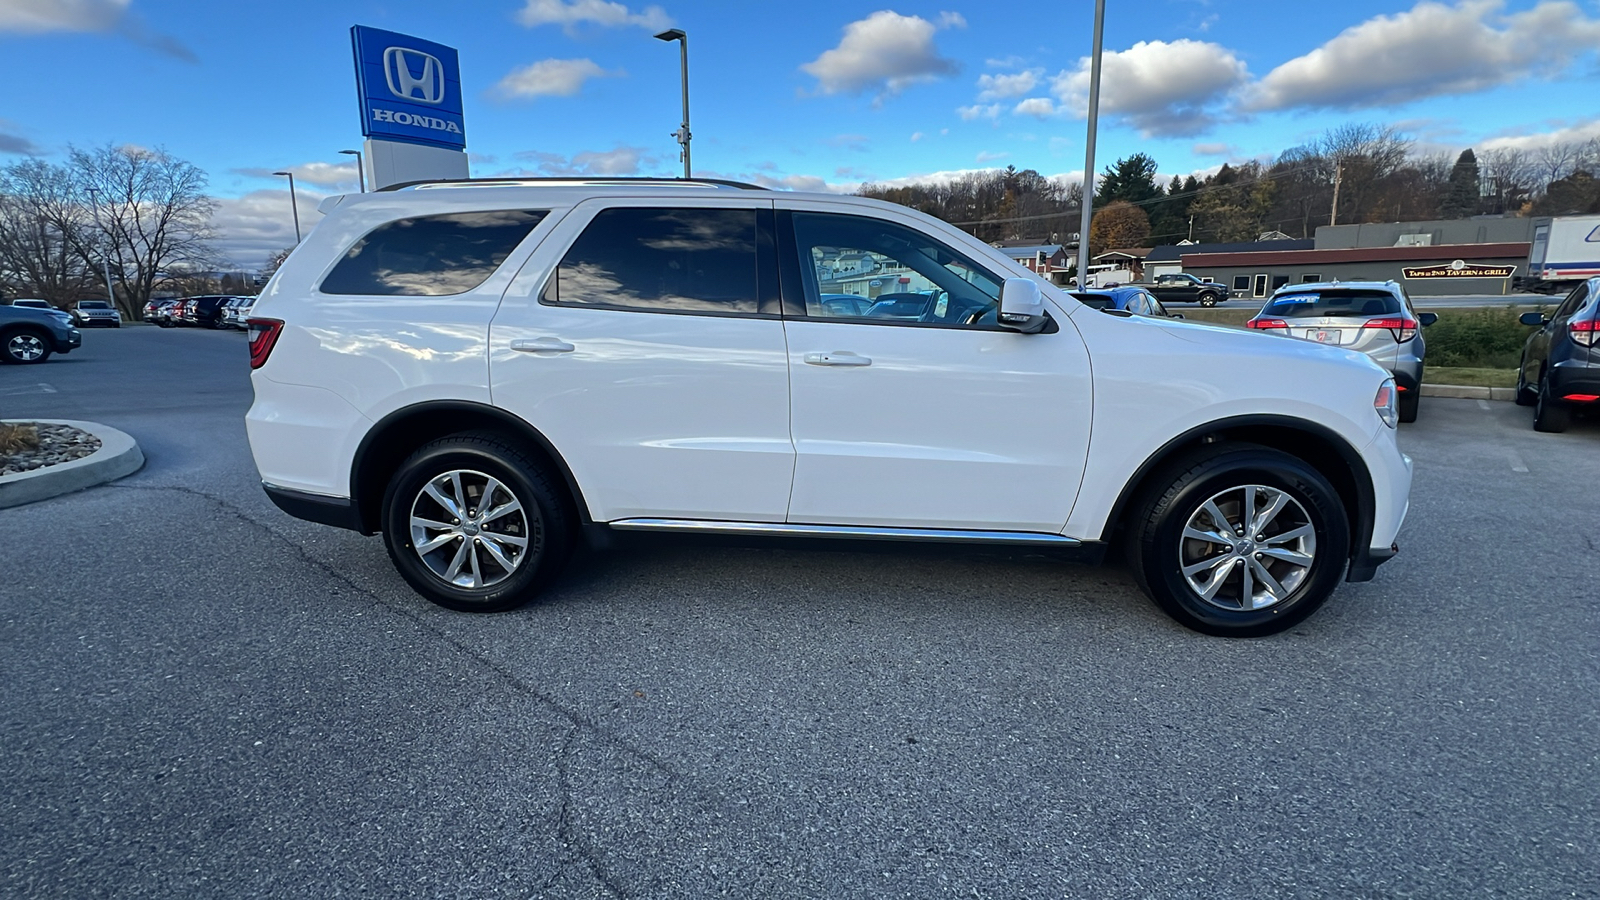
(643, 339)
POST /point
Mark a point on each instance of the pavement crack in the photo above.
(569, 833)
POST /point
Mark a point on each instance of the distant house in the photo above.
(1049, 260)
(1128, 260)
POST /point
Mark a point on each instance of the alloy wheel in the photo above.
(469, 529)
(1247, 548)
(25, 347)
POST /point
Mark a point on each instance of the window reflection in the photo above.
(687, 260)
(431, 256)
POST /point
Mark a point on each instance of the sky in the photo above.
(823, 95)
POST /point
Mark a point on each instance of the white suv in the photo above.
(485, 371)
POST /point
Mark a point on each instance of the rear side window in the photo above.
(662, 260)
(431, 256)
(1313, 304)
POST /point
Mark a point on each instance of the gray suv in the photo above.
(1371, 317)
(30, 335)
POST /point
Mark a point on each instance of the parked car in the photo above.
(30, 335)
(485, 373)
(1560, 369)
(1181, 287)
(1133, 300)
(236, 312)
(47, 306)
(161, 312)
(1371, 317)
(206, 311)
(89, 313)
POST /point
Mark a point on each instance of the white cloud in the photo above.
(331, 175)
(593, 12)
(916, 136)
(952, 20)
(1214, 149)
(885, 52)
(41, 16)
(1004, 87)
(1524, 139)
(618, 161)
(552, 78)
(968, 113)
(1161, 88)
(252, 227)
(985, 156)
(1006, 62)
(1433, 49)
(1035, 106)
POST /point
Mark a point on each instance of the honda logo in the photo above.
(401, 67)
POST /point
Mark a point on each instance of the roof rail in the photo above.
(569, 179)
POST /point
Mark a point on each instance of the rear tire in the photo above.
(1410, 401)
(1208, 300)
(497, 529)
(1549, 415)
(1296, 558)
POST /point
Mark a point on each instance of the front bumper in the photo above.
(72, 341)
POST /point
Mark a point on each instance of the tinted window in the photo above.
(93, 304)
(904, 276)
(431, 256)
(1311, 304)
(1573, 301)
(668, 260)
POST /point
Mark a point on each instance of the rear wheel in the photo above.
(1549, 415)
(1409, 403)
(1526, 396)
(24, 346)
(475, 524)
(1244, 541)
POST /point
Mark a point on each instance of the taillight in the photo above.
(1387, 404)
(1264, 324)
(1402, 329)
(1583, 332)
(263, 337)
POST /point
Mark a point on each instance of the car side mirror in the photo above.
(1427, 318)
(1174, 315)
(1537, 320)
(1022, 306)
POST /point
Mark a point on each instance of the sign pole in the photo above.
(1087, 215)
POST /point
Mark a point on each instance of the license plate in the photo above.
(1323, 335)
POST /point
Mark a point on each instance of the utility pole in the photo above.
(1088, 163)
(1338, 175)
(1191, 229)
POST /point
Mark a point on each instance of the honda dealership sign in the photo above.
(410, 89)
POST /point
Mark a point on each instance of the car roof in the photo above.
(1388, 286)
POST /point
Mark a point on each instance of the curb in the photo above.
(1468, 392)
(118, 455)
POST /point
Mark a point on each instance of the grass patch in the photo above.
(16, 438)
(1473, 377)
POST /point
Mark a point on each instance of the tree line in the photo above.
(1355, 173)
(140, 218)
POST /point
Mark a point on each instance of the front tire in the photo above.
(1243, 541)
(24, 347)
(1208, 300)
(1410, 402)
(475, 524)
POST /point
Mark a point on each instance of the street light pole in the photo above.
(294, 204)
(105, 256)
(1088, 163)
(361, 173)
(683, 136)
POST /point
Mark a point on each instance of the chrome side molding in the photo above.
(846, 532)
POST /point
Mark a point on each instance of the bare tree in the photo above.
(1509, 177)
(1555, 160)
(155, 212)
(43, 233)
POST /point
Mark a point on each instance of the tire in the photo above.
(1549, 415)
(1525, 396)
(544, 523)
(24, 346)
(1208, 300)
(1409, 402)
(1306, 566)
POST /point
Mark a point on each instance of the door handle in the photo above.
(542, 345)
(837, 358)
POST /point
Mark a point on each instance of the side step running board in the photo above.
(846, 532)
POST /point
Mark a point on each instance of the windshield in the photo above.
(1316, 304)
(94, 304)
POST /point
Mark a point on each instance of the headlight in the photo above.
(1386, 403)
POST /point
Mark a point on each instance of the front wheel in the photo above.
(24, 347)
(1208, 300)
(1244, 541)
(474, 524)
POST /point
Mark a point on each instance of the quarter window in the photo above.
(431, 256)
(868, 270)
(662, 260)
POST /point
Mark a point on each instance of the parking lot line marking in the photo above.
(1484, 405)
(40, 388)
(1517, 465)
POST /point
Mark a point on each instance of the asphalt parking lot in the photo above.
(205, 698)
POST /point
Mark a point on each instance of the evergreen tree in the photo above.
(1131, 178)
(1463, 194)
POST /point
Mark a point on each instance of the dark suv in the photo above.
(206, 311)
(1561, 361)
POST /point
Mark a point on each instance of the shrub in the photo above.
(1478, 338)
(14, 438)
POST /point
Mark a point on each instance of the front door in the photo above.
(917, 409)
(643, 339)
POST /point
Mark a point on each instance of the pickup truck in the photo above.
(1185, 288)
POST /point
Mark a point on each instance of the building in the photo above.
(1049, 260)
(1458, 256)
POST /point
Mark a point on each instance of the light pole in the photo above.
(294, 205)
(360, 172)
(105, 257)
(1088, 163)
(682, 134)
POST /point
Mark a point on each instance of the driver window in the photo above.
(868, 270)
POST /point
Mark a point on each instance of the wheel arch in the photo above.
(397, 435)
(1318, 445)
